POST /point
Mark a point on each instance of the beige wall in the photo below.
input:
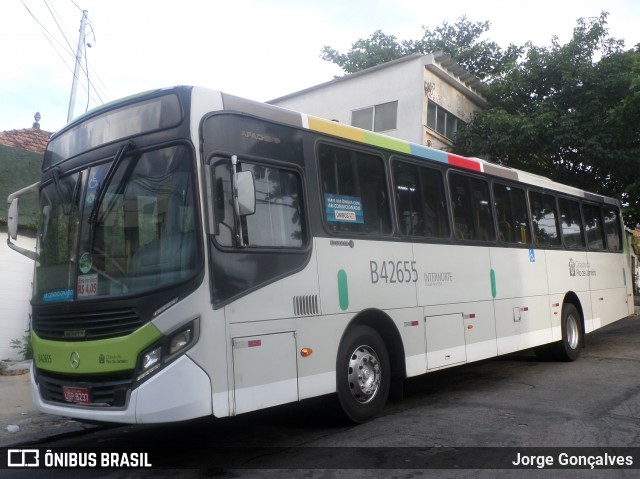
(449, 98)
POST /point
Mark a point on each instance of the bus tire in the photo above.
(363, 374)
(568, 349)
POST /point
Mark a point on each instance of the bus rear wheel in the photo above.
(568, 349)
(363, 374)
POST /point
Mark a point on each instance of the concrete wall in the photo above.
(16, 276)
(336, 100)
(411, 81)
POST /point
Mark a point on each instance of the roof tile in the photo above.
(30, 139)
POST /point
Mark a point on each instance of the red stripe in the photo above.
(464, 162)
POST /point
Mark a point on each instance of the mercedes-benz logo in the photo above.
(74, 360)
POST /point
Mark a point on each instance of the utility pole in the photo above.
(76, 69)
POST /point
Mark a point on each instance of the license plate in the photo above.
(76, 395)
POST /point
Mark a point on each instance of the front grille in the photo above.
(84, 326)
(111, 390)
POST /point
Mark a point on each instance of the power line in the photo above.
(93, 91)
(58, 24)
(48, 35)
(81, 9)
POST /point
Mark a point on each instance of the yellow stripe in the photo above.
(336, 129)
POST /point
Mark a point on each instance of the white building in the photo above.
(20, 160)
(418, 98)
(16, 275)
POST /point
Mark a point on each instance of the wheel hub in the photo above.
(364, 374)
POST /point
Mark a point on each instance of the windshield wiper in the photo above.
(120, 154)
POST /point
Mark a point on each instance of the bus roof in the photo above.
(340, 130)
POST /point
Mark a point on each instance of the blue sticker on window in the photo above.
(346, 209)
(58, 294)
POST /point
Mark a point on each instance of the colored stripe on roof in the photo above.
(336, 129)
(430, 153)
(388, 142)
(465, 162)
(376, 139)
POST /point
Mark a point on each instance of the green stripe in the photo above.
(387, 142)
(343, 290)
(101, 356)
(494, 290)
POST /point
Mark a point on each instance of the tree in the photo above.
(570, 112)
(461, 41)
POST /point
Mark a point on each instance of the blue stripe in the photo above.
(430, 153)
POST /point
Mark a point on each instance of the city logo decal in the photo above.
(572, 267)
(580, 268)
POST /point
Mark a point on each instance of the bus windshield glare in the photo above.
(140, 236)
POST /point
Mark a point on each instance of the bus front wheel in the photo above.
(363, 374)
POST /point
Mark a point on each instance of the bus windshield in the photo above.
(136, 235)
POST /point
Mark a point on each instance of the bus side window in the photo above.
(612, 229)
(544, 217)
(472, 212)
(354, 191)
(511, 209)
(420, 201)
(593, 224)
(571, 221)
(278, 221)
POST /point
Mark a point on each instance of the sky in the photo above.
(258, 49)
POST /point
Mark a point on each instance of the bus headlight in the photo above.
(168, 349)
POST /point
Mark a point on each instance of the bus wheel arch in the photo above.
(371, 344)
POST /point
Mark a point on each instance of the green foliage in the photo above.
(461, 41)
(366, 53)
(19, 168)
(569, 112)
(23, 346)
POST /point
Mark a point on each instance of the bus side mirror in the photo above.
(12, 219)
(246, 191)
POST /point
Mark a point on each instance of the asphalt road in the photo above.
(515, 402)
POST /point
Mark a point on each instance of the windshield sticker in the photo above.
(95, 178)
(93, 184)
(87, 285)
(343, 208)
(85, 263)
(58, 294)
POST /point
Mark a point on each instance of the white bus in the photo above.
(200, 254)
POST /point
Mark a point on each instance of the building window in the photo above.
(381, 117)
(442, 121)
